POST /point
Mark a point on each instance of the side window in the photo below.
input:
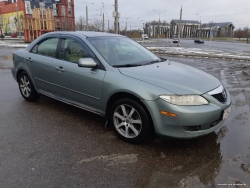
(47, 47)
(72, 50)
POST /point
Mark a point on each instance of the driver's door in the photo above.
(78, 85)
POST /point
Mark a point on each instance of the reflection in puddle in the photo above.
(175, 160)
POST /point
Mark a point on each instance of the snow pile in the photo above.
(197, 52)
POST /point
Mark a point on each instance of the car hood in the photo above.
(175, 77)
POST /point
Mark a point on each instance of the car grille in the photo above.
(220, 97)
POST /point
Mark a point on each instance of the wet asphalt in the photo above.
(51, 144)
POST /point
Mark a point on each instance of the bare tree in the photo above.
(246, 32)
(165, 23)
(238, 33)
(97, 25)
(80, 23)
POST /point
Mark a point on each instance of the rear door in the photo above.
(41, 62)
(78, 85)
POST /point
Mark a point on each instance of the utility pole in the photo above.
(142, 33)
(87, 25)
(200, 26)
(179, 30)
(116, 15)
(102, 17)
(159, 28)
(87, 17)
(18, 25)
(108, 22)
(126, 26)
(130, 32)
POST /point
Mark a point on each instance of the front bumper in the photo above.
(206, 117)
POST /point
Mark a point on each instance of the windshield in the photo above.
(119, 51)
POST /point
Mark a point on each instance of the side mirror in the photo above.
(87, 62)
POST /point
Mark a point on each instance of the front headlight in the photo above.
(184, 100)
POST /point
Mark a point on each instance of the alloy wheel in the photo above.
(127, 121)
(25, 86)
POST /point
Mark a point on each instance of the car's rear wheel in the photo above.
(27, 88)
(130, 121)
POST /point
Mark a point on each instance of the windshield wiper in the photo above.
(127, 65)
(155, 61)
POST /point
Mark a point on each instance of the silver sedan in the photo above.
(139, 93)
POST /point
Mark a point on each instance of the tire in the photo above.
(27, 88)
(130, 121)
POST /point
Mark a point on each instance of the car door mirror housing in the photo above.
(87, 62)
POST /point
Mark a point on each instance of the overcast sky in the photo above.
(236, 11)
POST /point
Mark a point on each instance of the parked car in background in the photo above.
(199, 41)
(13, 35)
(117, 78)
(144, 36)
(175, 40)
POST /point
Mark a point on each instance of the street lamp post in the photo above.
(87, 25)
(159, 22)
(179, 31)
(126, 24)
(200, 24)
(108, 22)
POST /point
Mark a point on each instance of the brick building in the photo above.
(12, 13)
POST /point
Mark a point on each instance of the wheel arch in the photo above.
(19, 72)
(23, 70)
(121, 95)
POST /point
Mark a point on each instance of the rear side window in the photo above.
(47, 47)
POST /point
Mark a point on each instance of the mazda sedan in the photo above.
(115, 77)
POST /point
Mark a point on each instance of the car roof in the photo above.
(87, 33)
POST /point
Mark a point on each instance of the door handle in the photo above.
(60, 69)
(28, 59)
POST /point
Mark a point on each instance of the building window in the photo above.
(57, 23)
(69, 8)
(70, 24)
(63, 11)
(54, 10)
(27, 7)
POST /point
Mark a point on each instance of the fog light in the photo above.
(168, 113)
(192, 128)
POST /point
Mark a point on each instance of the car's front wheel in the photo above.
(27, 88)
(130, 121)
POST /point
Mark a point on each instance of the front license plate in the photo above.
(226, 112)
